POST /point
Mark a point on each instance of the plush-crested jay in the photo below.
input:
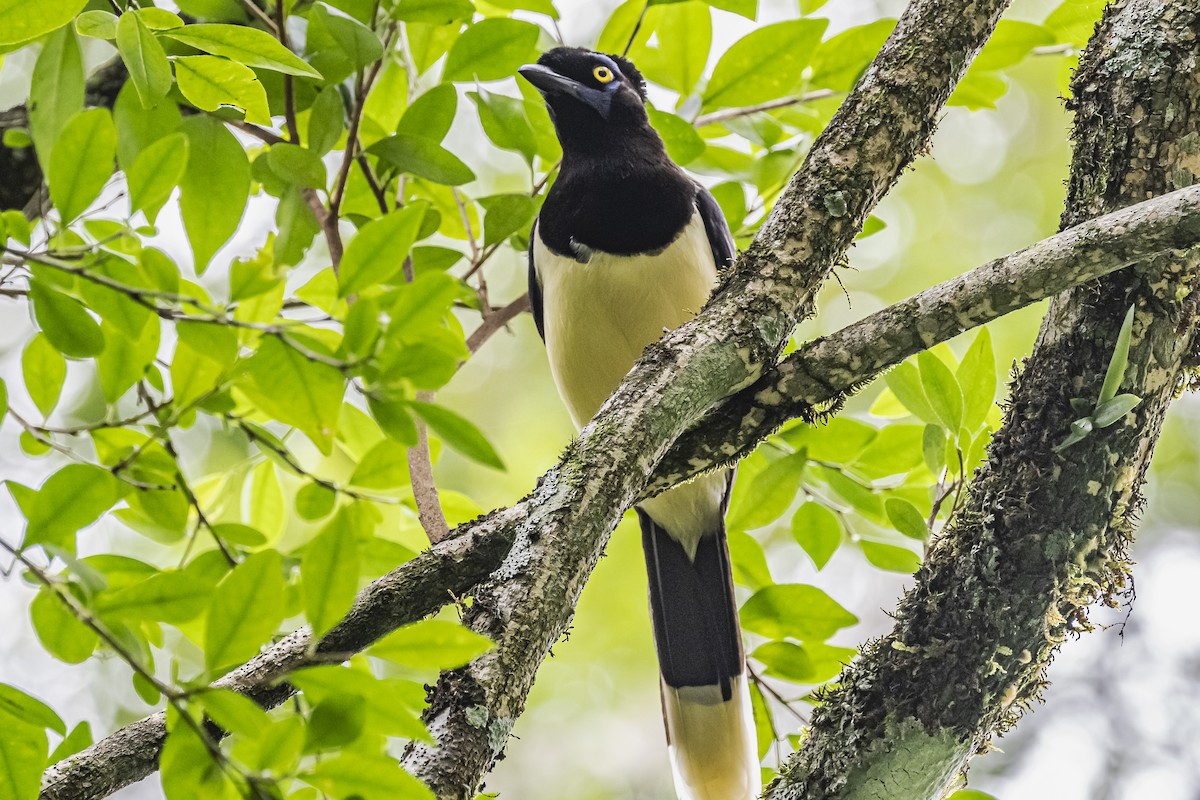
(627, 245)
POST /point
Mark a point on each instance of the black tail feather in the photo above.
(693, 608)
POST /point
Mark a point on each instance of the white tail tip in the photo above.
(712, 742)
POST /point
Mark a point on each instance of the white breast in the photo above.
(601, 315)
(598, 318)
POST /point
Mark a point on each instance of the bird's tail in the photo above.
(705, 696)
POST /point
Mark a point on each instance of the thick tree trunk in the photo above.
(1044, 534)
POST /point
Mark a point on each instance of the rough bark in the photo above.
(885, 122)
(1044, 534)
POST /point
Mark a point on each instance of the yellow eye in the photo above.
(602, 74)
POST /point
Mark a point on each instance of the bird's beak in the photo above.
(550, 83)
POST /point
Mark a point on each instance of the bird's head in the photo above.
(589, 94)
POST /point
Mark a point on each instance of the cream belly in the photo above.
(599, 316)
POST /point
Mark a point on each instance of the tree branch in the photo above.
(1044, 532)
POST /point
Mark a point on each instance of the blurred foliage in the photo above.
(246, 403)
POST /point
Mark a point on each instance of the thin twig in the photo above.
(637, 26)
(496, 320)
(289, 95)
(724, 115)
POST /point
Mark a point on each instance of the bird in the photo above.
(626, 246)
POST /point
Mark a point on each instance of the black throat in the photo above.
(618, 192)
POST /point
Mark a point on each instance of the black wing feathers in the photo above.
(719, 237)
(535, 287)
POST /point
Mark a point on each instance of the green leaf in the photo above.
(278, 748)
(326, 121)
(768, 495)
(431, 114)
(491, 50)
(339, 45)
(436, 12)
(978, 90)
(246, 608)
(155, 174)
(297, 165)
(371, 777)
(159, 19)
(970, 794)
(764, 64)
(506, 214)
(422, 157)
(70, 499)
(933, 447)
(215, 187)
(329, 573)
(314, 399)
(1075, 20)
(144, 58)
(841, 59)
(235, 712)
(168, 596)
(336, 721)
(807, 663)
(44, 370)
(745, 8)
(749, 562)
(818, 531)
(60, 631)
(315, 501)
(794, 610)
(209, 82)
(384, 467)
(432, 645)
(977, 377)
(97, 24)
(905, 518)
(459, 433)
(1119, 361)
(941, 390)
(377, 251)
(1114, 409)
(82, 161)
(24, 709)
(78, 739)
(65, 322)
(22, 755)
(138, 127)
(905, 383)
(891, 558)
(684, 35)
(56, 91)
(679, 135)
(21, 20)
(506, 123)
(245, 45)
(1010, 43)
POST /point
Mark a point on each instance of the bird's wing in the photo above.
(535, 285)
(719, 237)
